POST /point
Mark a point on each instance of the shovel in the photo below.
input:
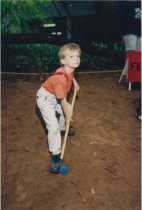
(64, 169)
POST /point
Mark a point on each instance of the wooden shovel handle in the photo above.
(68, 126)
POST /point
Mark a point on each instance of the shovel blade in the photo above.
(63, 169)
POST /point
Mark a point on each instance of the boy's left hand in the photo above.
(76, 87)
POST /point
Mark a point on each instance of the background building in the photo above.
(81, 21)
(84, 20)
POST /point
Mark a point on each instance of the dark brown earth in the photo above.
(104, 158)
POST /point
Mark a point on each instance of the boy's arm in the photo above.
(66, 111)
(76, 85)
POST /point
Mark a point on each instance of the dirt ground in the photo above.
(104, 157)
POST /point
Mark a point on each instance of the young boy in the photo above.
(52, 98)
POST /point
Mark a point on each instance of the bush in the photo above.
(44, 57)
(26, 57)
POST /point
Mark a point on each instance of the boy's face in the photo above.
(72, 59)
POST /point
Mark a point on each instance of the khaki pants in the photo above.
(48, 106)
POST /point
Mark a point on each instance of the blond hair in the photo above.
(69, 46)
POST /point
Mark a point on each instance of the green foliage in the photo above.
(17, 14)
(44, 57)
(26, 57)
(107, 55)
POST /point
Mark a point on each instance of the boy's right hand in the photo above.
(66, 111)
(67, 119)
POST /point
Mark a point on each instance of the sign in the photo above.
(134, 66)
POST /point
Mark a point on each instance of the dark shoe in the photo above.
(55, 164)
(70, 133)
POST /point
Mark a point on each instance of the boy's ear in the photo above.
(62, 61)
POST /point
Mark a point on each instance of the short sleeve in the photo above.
(60, 86)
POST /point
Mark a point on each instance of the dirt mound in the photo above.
(103, 158)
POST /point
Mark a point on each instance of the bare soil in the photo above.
(104, 157)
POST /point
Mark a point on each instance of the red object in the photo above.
(134, 66)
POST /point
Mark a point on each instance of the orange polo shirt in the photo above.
(59, 83)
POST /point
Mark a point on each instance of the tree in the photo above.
(16, 15)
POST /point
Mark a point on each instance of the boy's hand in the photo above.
(66, 111)
(76, 86)
(67, 119)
